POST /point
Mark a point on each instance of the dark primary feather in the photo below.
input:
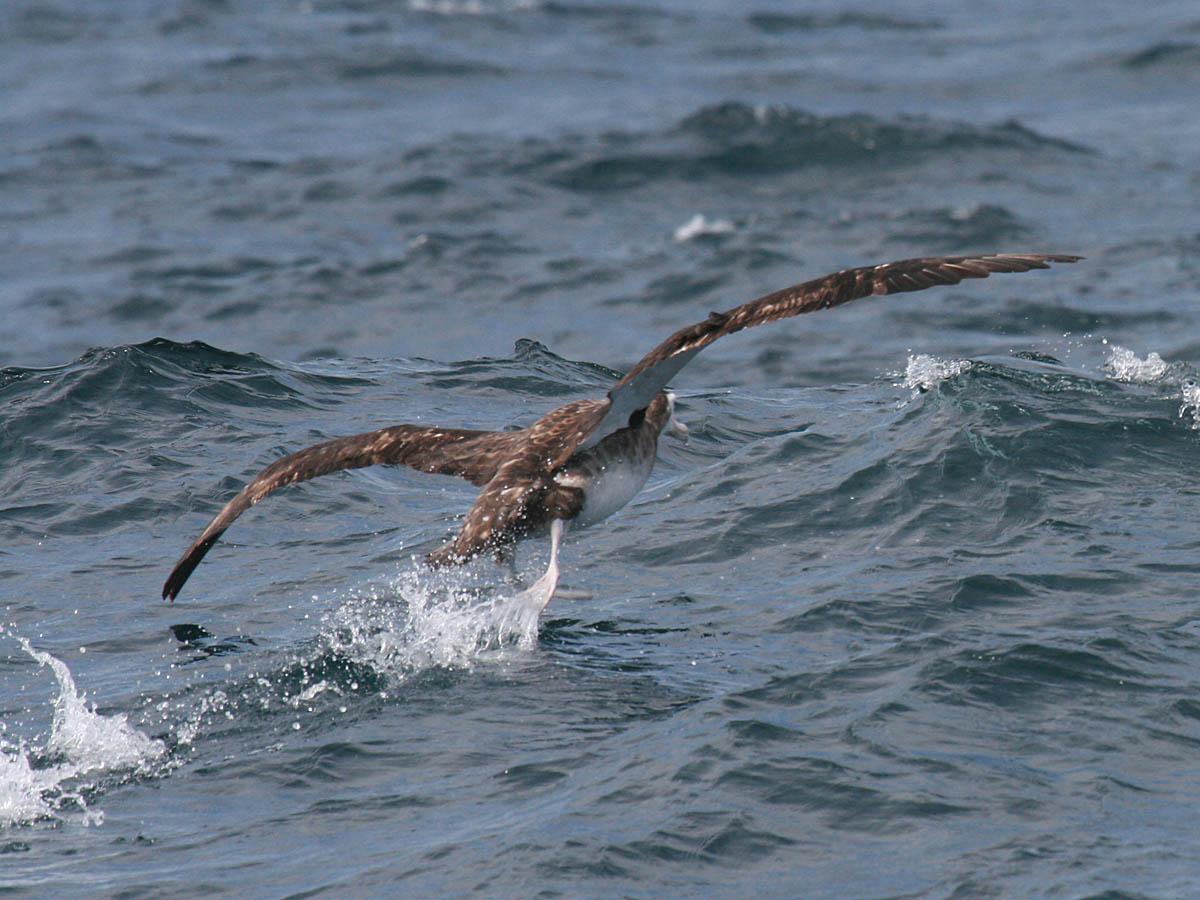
(840, 287)
(473, 455)
(655, 370)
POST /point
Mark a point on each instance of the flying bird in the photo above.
(583, 461)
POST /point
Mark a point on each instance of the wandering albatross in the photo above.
(585, 460)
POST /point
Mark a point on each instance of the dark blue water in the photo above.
(912, 615)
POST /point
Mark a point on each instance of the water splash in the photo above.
(449, 7)
(1124, 365)
(699, 225)
(43, 783)
(29, 793)
(1191, 402)
(924, 372)
(421, 620)
(370, 641)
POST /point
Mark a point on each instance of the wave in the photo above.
(1184, 55)
(946, 228)
(739, 139)
(123, 437)
(1002, 447)
(777, 23)
(103, 442)
(993, 458)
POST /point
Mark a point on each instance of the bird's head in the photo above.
(661, 412)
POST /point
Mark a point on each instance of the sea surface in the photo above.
(913, 614)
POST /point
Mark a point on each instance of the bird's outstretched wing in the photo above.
(473, 455)
(659, 366)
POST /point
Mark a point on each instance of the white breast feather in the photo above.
(609, 488)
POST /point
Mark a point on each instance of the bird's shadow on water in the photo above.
(203, 644)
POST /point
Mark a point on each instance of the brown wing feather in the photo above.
(517, 502)
(660, 365)
(832, 290)
(474, 455)
(523, 496)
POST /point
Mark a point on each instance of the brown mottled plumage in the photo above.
(548, 471)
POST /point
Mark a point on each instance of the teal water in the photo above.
(910, 615)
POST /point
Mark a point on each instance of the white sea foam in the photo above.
(699, 224)
(1124, 365)
(1191, 402)
(449, 7)
(82, 742)
(924, 372)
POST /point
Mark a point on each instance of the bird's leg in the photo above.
(523, 610)
(542, 590)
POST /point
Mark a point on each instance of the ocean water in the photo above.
(913, 614)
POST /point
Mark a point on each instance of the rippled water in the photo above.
(912, 614)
